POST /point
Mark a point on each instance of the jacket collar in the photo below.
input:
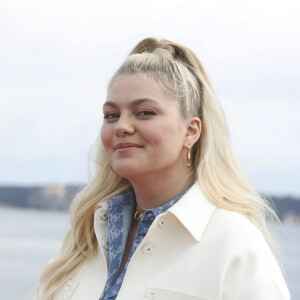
(194, 211)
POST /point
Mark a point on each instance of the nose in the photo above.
(124, 127)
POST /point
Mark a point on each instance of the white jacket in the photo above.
(193, 251)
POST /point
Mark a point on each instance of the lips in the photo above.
(124, 146)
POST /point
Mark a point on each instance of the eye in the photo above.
(145, 113)
(111, 116)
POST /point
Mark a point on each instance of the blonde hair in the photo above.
(178, 71)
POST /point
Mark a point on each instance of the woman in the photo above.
(169, 213)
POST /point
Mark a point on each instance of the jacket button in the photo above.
(161, 221)
(105, 243)
(103, 215)
(148, 248)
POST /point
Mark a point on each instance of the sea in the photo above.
(29, 238)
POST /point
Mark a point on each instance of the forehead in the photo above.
(136, 86)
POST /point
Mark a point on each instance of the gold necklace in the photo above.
(139, 213)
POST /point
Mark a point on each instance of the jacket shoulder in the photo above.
(233, 224)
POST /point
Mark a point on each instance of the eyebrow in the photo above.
(133, 103)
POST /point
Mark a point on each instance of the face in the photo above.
(143, 131)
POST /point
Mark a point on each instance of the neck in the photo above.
(154, 191)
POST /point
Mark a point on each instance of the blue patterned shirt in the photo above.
(121, 209)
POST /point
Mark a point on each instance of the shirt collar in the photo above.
(125, 198)
(128, 198)
(159, 210)
(194, 211)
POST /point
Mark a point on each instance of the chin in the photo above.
(127, 171)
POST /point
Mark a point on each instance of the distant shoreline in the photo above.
(59, 198)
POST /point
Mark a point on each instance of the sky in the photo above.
(56, 58)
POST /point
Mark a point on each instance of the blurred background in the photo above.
(56, 58)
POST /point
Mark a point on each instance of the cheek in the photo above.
(164, 134)
(106, 136)
(153, 135)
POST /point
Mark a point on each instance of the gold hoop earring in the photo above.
(188, 158)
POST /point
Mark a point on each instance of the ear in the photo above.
(193, 131)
